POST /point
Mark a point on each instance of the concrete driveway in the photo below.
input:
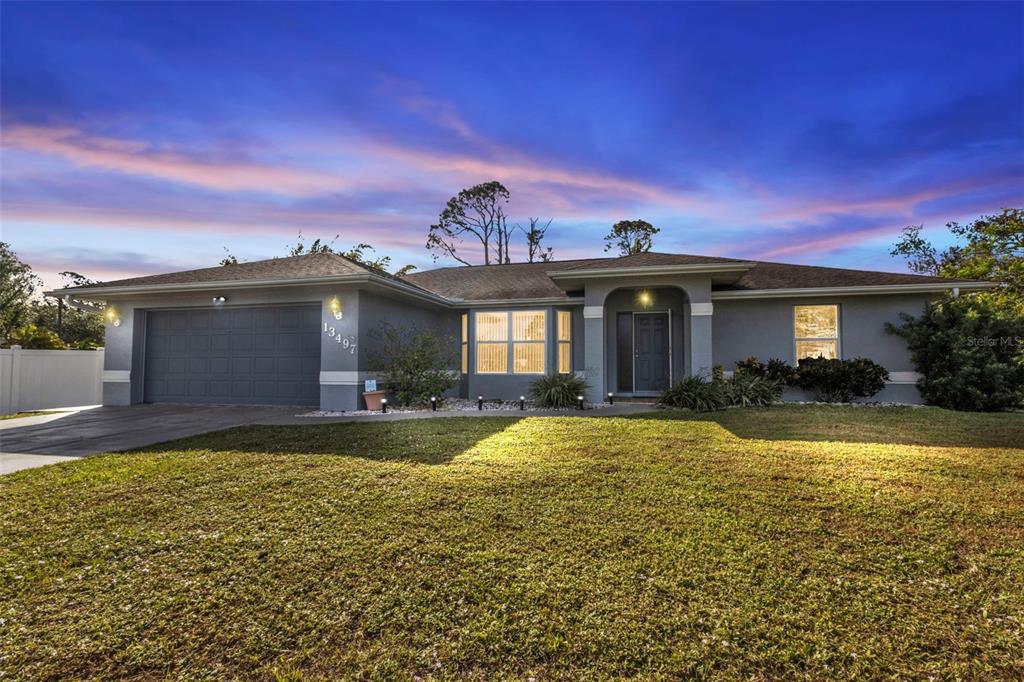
(34, 441)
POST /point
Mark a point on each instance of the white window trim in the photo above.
(510, 343)
(837, 338)
(559, 342)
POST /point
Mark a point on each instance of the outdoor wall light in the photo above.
(644, 298)
(336, 309)
(218, 300)
(384, 405)
(112, 316)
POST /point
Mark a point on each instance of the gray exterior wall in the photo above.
(735, 330)
(511, 386)
(764, 328)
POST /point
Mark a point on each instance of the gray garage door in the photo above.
(249, 356)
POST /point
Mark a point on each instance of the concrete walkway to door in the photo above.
(34, 441)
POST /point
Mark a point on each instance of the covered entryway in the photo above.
(249, 356)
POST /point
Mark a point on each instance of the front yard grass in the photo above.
(786, 543)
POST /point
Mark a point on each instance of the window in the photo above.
(528, 335)
(465, 343)
(492, 343)
(520, 335)
(816, 331)
(564, 341)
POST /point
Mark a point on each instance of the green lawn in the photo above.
(787, 543)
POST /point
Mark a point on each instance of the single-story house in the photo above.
(303, 330)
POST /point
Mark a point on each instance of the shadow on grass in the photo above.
(424, 441)
(885, 425)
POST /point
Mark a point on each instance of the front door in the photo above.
(650, 352)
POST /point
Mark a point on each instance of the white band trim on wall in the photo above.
(593, 312)
(702, 308)
(119, 376)
(903, 377)
(342, 378)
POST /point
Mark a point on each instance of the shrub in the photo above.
(696, 393)
(969, 352)
(416, 364)
(557, 390)
(32, 337)
(744, 389)
(776, 370)
(840, 381)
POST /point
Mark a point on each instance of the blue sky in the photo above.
(141, 138)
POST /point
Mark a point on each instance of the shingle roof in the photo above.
(494, 282)
(653, 259)
(525, 280)
(306, 266)
(765, 275)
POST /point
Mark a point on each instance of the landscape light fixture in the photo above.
(384, 405)
(522, 402)
(112, 316)
(579, 402)
(335, 305)
(433, 404)
(479, 402)
(611, 398)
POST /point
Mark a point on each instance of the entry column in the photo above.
(593, 351)
(700, 339)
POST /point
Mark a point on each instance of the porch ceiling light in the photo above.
(644, 298)
(336, 309)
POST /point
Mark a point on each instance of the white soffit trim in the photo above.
(852, 291)
(118, 376)
(702, 309)
(593, 312)
(903, 378)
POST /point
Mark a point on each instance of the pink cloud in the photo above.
(137, 157)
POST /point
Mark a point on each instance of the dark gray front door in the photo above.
(248, 356)
(650, 351)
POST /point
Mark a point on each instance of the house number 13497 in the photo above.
(346, 342)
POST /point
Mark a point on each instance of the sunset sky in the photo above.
(146, 138)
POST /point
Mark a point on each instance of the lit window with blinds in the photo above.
(465, 343)
(491, 343)
(816, 331)
(529, 329)
(564, 341)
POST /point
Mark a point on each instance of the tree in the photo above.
(17, 286)
(630, 237)
(990, 248)
(969, 352)
(476, 213)
(534, 236)
(358, 253)
(76, 328)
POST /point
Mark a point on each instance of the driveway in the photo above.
(61, 436)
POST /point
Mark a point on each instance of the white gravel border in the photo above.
(459, 405)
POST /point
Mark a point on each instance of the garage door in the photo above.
(249, 356)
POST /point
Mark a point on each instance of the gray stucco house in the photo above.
(300, 330)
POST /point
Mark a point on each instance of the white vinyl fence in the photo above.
(41, 379)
